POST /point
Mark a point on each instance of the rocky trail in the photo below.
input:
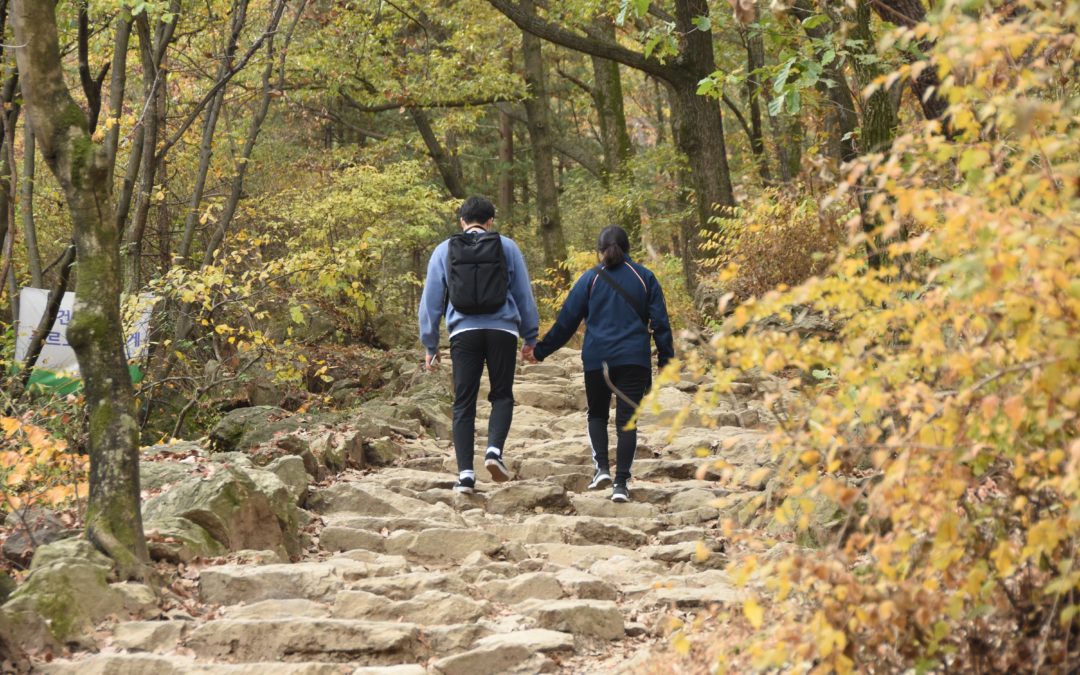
(395, 573)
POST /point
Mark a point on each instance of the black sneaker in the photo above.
(601, 480)
(466, 485)
(619, 493)
(499, 472)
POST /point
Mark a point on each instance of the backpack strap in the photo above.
(642, 312)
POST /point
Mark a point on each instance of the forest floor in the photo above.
(539, 574)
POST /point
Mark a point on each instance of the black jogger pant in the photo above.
(633, 381)
(469, 351)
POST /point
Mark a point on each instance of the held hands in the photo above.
(527, 354)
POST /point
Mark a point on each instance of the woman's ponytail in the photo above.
(613, 246)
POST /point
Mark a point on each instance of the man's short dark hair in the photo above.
(476, 209)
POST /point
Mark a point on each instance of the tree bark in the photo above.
(448, 169)
(607, 95)
(547, 194)
(910, 13)
(506, 167)
(755, 59)
(26, 207)
(9, 117)
(699, 125)
(113, 517)
(206, 147)
(52, 309)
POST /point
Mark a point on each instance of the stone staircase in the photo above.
(533, 575)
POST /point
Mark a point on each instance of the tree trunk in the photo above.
(26, 207)
(698, 120)
(506, 167)
(448, 169)
(206, 148)
(113, 516)
(910, 13)
(607, 94)
(547, 194)
(755, 59)
(9, 118)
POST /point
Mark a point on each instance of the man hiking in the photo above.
(478, 279)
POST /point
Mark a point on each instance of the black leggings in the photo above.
(633, 381)
(469, 351)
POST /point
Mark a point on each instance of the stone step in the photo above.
(147, 664)
(515, 652)
(233, 584)
(428, 608)
(590, 618)
(300, 639)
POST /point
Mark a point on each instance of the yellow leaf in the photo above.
(753, 611)
(1014, 410)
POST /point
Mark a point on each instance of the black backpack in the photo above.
(477, 278)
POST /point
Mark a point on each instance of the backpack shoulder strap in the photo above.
(633, 302)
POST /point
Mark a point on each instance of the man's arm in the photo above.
(431, 302)
(521, 290)
(566, 324)
(661, 326)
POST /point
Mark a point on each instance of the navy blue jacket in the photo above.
(613, 330)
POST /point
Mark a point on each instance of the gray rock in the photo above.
(232, 584)
(441, 545)
(229, 432)
(160, 664)
(279, 609)
(333, 538)
(149, 636)
(331, 640)
(154, 475)
(32, 528)
(405, 586)
(593, 618)
(527, 498)
(534, 585)
(291, 472)
(180, 540)
(240, 508)
(428, 608)
(517, 652)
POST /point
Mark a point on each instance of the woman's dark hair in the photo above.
(613, 246)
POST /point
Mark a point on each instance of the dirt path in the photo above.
(534, 575)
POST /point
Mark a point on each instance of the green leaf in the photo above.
(296, 314)
(814, 21)
(828, 57)
(782, 76)
(703, 23)
(794, 102)
(775, 106)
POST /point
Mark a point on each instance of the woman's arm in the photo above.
(570, 316)
(661, 327)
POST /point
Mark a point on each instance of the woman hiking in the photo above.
(619, 300)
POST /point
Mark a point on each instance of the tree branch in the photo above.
(587, 161)
(546, 30)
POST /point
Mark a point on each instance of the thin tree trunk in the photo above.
(26, 199)
(450, 172)
(113, 517)
(206, 148)
(52, 309)
(755, 59)
(506, 167)
(244, 160)
(9, 117)
(547, 193)
(607, 94)
(926, 87)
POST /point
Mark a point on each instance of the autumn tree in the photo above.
(83, 167)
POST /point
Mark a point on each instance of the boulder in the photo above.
(240, 508)
(67, 593)
(230, 431)
(180, 540)
(32, 528)
(291, 472)
(157, 474)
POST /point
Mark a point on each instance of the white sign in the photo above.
(56, 354)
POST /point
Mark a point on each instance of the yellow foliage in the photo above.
(946, 431)
(36, 467)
